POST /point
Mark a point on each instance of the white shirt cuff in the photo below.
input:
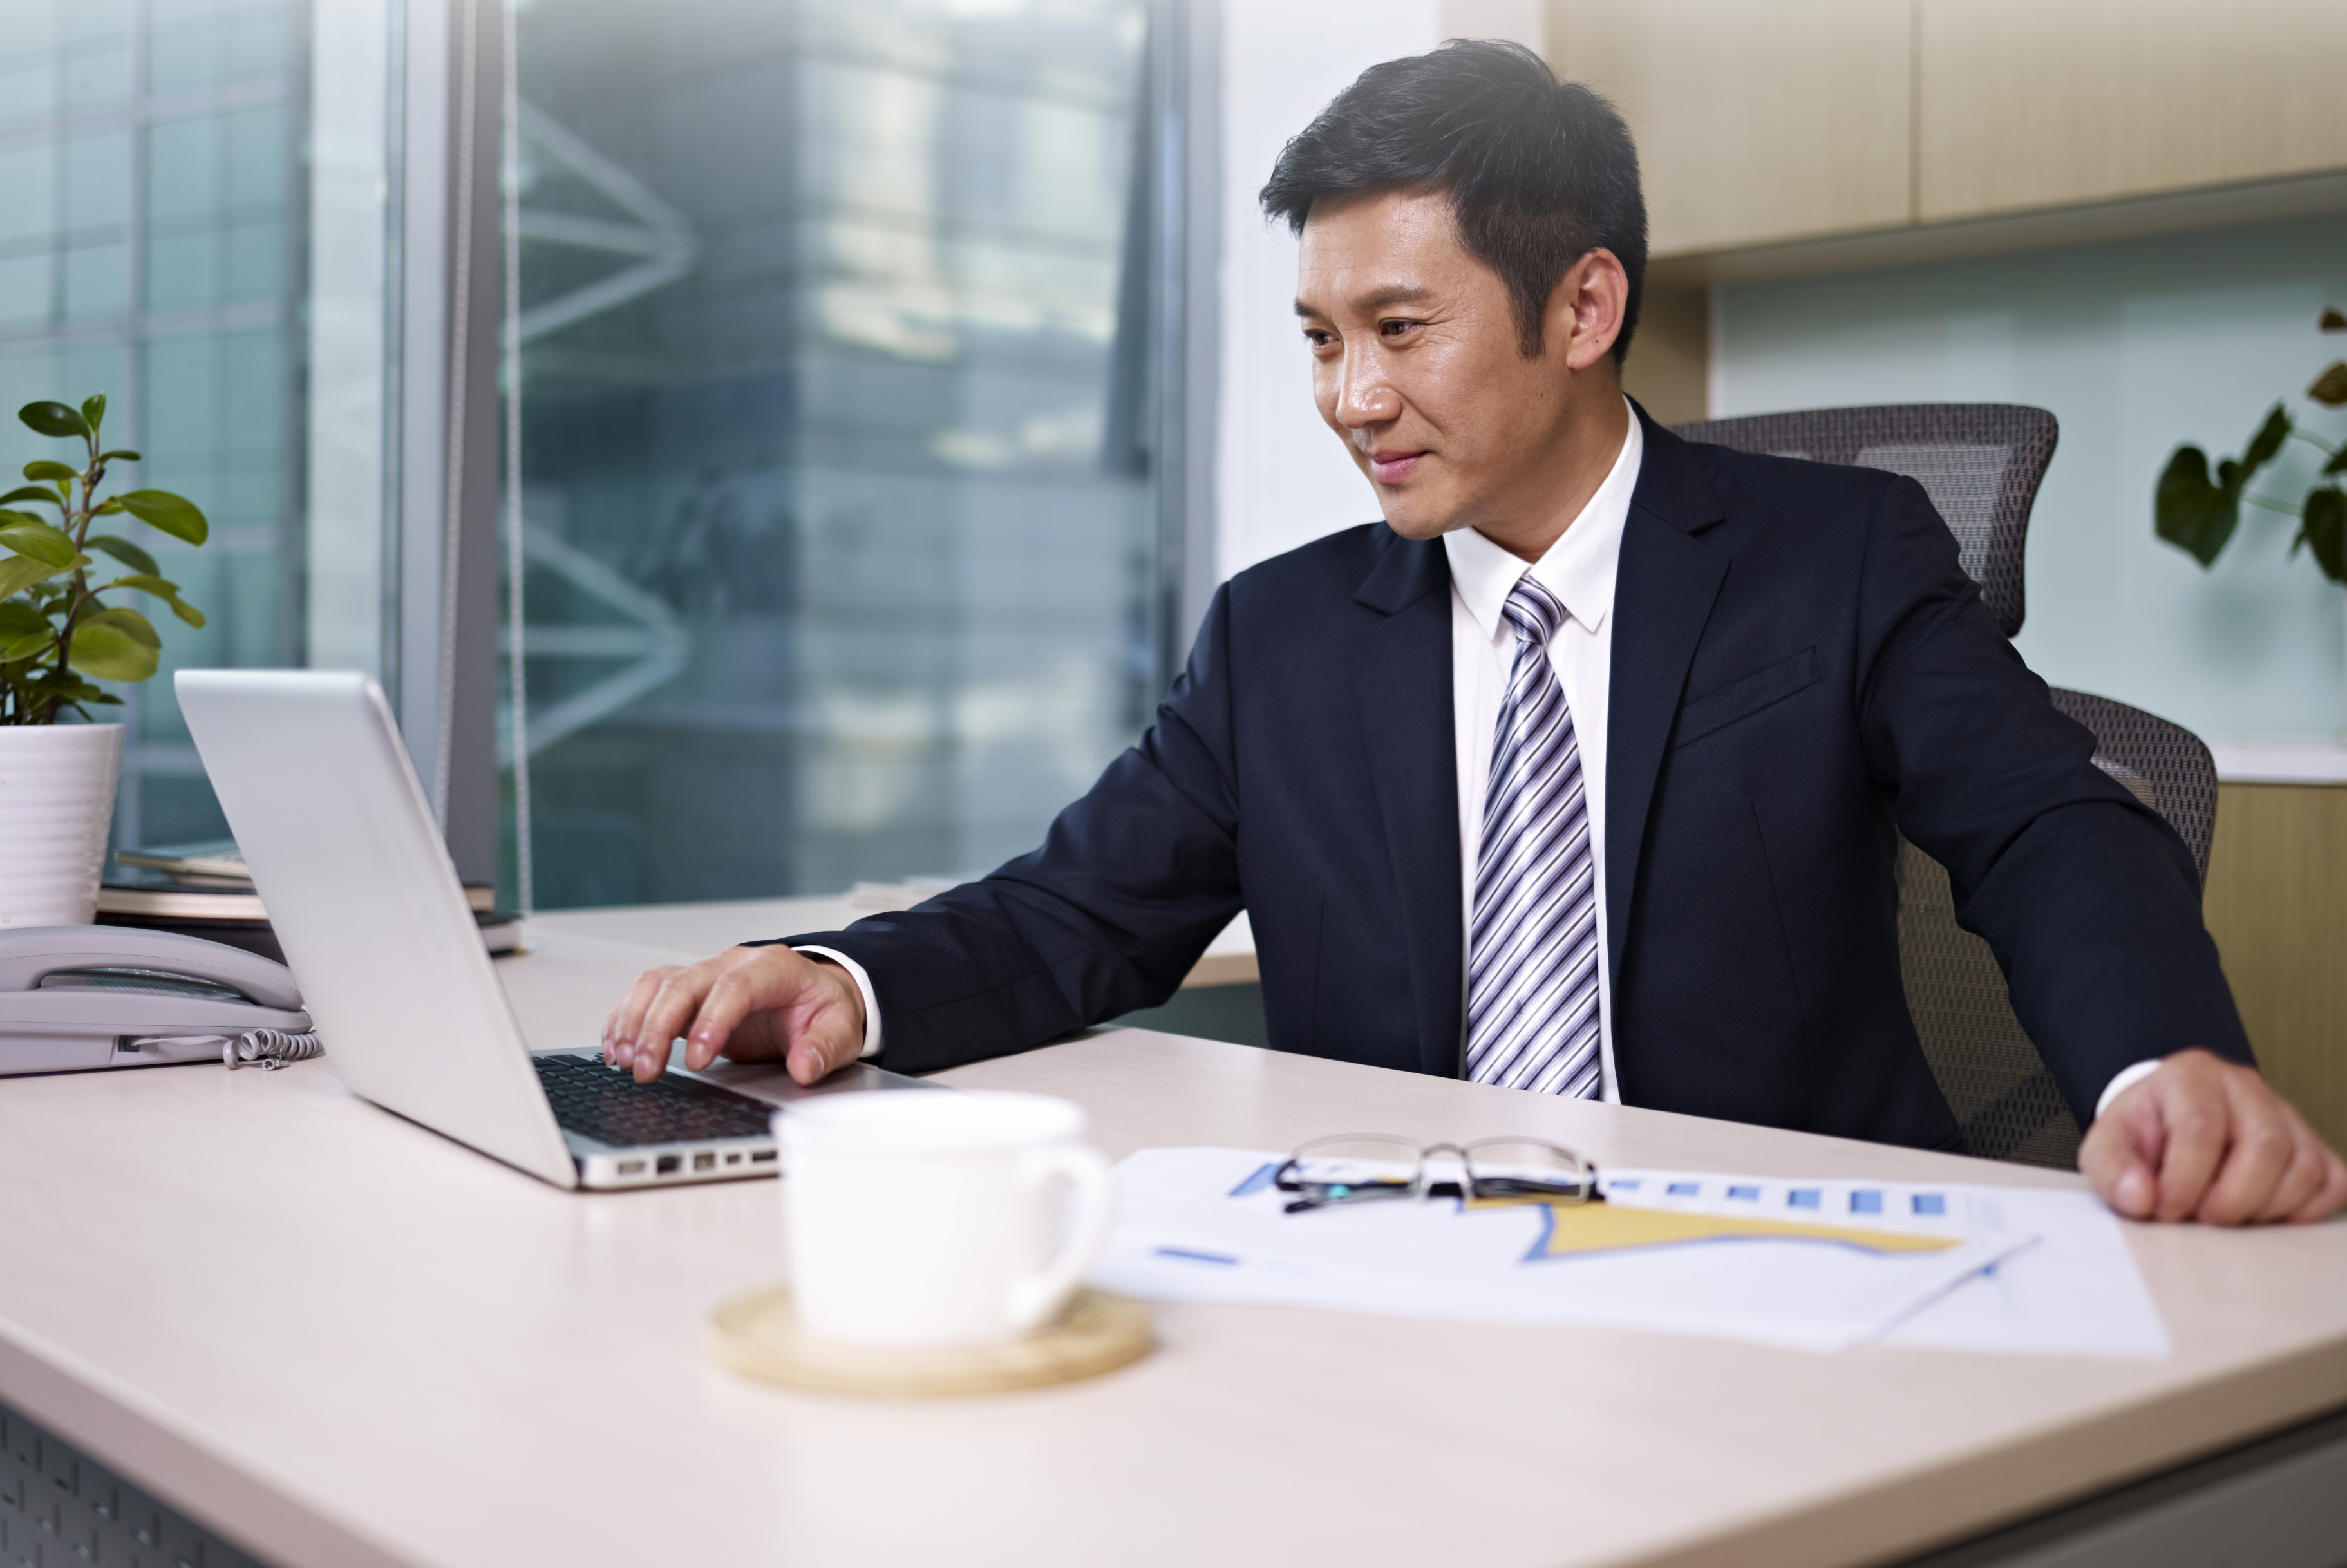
(2126, 1079)
(871, 1004)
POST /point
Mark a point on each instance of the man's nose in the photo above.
(1365, 397)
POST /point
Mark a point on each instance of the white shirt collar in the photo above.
(1578, 568)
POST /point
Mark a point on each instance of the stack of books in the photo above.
(203, 890)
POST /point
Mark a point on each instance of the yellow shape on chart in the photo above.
(1602, 1226)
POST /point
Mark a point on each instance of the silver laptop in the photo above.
(344, 854)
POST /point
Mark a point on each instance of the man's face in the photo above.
(1416, 365)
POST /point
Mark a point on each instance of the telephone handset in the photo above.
(74, 997)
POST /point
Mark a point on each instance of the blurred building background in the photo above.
(839, 457)
(151, 200)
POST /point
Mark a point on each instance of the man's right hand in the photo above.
(749, 1003)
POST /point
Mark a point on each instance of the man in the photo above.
(1579, 773)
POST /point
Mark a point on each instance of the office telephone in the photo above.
(76, 998)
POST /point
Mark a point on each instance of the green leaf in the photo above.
(105, 646)
(174, 515)
(145, 582)
(23, 632)
(2323, 526)
(169, 592)
(21, 572)
(123, 454)
(31, 493)
(2332, 322)
(2330, 388)
(93, 410)
(31, 536)
(45, 469)
(2338, 464)
(2265, 443)
(123, 550)
(135, 626)
(53, 419)
(2191, 513)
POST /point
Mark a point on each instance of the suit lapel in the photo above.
(1401, 690)
(1663, 593)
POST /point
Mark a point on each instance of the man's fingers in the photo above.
(826, 1027)
(747, 1002)
(672, 1007)
(2121, 1173)
(2330, 1196)
(747, 984)
(620, 1029)
(2196, 1122)
(2258, 1148)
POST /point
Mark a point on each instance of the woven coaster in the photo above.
(758, 1335)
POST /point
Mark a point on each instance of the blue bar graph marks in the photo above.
(1745, 1194)
(1930, 1204)
(1684, 1189)
(1257, 1183)
(1866, 1203)
(1804, 1197)
(1186, 1256)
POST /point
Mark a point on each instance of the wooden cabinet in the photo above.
(1761, 125)
(2022, 104)
(1754, 122)
(2277, 905)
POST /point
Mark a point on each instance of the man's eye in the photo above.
(1317, 338)
(1394, 329)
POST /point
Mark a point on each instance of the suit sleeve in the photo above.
(1130, 883)
(2088, 898)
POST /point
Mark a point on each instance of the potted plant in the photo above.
(57, 639)
(2196, 511)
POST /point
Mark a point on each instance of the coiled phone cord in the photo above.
(270, 1048)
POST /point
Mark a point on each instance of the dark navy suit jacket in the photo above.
(1799, 663)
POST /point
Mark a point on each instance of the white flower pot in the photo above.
(56, 802)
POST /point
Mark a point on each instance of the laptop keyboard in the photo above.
(605, 1103)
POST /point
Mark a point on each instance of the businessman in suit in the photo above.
(1582, 771)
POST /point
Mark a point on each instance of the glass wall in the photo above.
(149, 249)
(841, 499)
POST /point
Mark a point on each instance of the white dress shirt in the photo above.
(1579, 571)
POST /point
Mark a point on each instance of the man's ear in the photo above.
(1585, 311)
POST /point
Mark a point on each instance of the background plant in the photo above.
(56, 634)
(2198, 512)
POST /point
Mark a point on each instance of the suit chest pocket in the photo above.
(1741, 699)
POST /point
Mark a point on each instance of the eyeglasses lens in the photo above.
(1346, 1170)
(1510, 1168)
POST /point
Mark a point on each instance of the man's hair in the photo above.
(1539, 172)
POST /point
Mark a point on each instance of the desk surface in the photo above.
(339, 1338)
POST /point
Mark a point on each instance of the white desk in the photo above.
(340, 1339)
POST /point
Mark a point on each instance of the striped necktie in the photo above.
(1532, 964)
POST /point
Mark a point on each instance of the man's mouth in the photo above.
(1393, 468)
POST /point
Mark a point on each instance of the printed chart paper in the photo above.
(1816, 1264)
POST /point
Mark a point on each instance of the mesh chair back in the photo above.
(2004, 1098)
(1981, 465)
(1979, 462)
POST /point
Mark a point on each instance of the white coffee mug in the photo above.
(938, 1218)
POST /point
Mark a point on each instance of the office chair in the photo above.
(1981, 465)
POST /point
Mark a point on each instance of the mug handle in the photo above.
(1040, 1295)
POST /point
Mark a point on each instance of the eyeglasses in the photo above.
(1359, 1167)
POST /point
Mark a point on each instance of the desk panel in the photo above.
(337, 1337)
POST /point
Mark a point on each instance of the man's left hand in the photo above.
(2206, 1139)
